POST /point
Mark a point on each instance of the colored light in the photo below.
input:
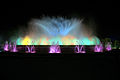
(6, 46)
(52, 29)
(79, 49)
(26, 41)
(55, 49)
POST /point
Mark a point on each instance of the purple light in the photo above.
(14, 48)
(33, 49)
(30, 49)
(108, 47)
(79, 49)
(6, 46)
(98, 48)
(55, 49)
(10, 46)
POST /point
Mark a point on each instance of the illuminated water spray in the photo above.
(55, 48)
(33, 48)
(14, 47)
(79, 49)
(57, 26)
(6, 46)
(98, 48)
(108, 46)
(50, 29)
(30, 49)
(10, 46)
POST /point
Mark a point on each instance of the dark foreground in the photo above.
(92, 66)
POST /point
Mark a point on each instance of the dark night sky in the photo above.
(106, 15)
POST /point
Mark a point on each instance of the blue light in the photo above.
(57, 26)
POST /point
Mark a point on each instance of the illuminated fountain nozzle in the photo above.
(80, 49)
(98, 48)
(55, 48)
(31, 49)
(6, 46)
(10, 47)
(108, 46)
(14, 48)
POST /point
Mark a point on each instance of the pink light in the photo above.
(14, 48)
(33, 49)
(6, 46)
(79, 49)
(30, 49)
(55, 49)
(10, 46)
(98, 48)
(82, 52)
(108, 48)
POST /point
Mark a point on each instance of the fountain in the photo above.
(14, 47)
(98, 48)
(30, 49)
(10, 46)
(33, 48)
(79, 49)
(108, 46)
(51, 29)
(55, 48)
(6, 46)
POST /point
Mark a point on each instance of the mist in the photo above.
(66, 31)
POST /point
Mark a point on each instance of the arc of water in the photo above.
(77, 47)
(28, 49)
(82, 47)
(33, 49)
